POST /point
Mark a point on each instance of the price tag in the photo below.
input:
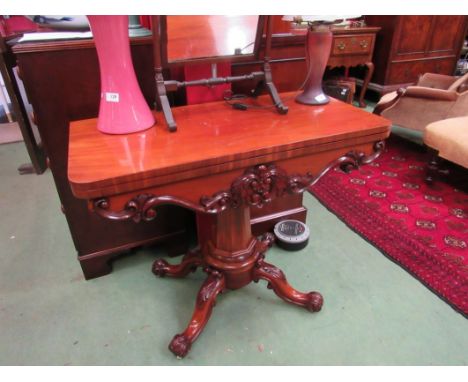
(112, 97)
(320, 98)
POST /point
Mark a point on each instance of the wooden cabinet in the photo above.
(354, 47)
(409, 46)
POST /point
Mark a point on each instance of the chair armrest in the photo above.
(417, 92)
(385, 105)
(459, 84)
(430, 93)
(436, 81)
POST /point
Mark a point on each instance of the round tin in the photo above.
(291, 235)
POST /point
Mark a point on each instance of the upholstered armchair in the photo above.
(447, 139)
(435, 97)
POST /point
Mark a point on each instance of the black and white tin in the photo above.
(291, 235)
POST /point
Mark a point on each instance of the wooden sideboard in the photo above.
(409, 46)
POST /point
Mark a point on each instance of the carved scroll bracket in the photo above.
(257, 186)
(136, 209)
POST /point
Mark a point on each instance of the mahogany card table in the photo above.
(218, 163)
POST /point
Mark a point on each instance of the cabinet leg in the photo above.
(95, 265)
(206, 299)
(369, 73)
(312, 301)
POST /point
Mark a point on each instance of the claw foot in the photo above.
(160, 267)
(314, 302)
(180, 345)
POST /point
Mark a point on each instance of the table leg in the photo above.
(233, 258)
(312, 301)
(370, 71)
(206, 299)
(190, 262)
(229, 253)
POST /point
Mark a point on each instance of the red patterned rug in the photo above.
(423, 229)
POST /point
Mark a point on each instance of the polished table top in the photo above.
(211, 138)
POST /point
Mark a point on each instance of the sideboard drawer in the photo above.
(360, 44)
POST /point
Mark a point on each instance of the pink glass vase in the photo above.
(318, 47)
(122, 109)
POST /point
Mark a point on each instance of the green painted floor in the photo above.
(374, 313)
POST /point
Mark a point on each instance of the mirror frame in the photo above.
(160, 28)
(263, 77)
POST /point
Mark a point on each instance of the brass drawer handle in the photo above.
(364, 44)
(341, 45)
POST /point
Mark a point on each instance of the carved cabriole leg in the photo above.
(190, 262)
(312, 301)
(370, 71)
(230, 253)
(206, 299)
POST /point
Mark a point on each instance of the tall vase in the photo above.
(318, 47)
(122, 108)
